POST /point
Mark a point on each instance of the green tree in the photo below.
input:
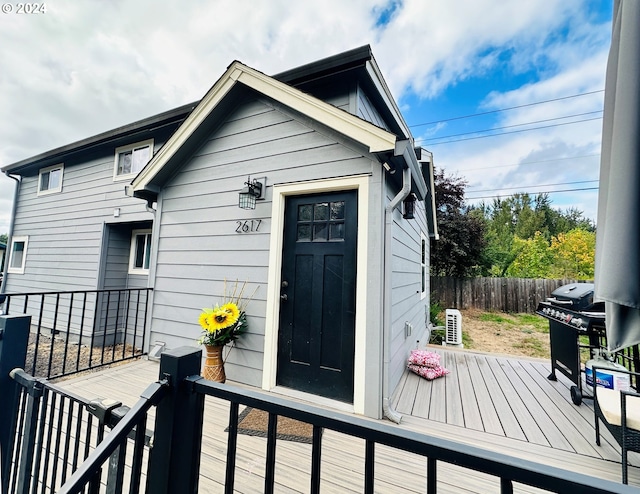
(513, 220)
(574, 254)
(4, 237)
(532, 258)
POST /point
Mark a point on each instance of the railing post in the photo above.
(14, 337)
(174, 461)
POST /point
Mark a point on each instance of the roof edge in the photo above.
(375, 138)
(103, 137)
(355, 57)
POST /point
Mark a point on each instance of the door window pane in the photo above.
(320, 232)
(321, 222)
(304, 212)
(337, 210)
(304, 233)
(336, 231)
(321, 211)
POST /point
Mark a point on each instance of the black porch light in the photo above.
(409, 206)
(248, 195)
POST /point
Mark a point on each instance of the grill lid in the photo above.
(576, 296)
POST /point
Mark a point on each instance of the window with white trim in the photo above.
(140, 252)
(423, 264)
(131, 159)
(50, 179)
(18, 255)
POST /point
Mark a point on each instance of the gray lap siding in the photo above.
(200, 245)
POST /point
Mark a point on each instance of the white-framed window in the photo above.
(18, 255)
(423, 265)
(50, 179)
(140, 252)
(131, 159)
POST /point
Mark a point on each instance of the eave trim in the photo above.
(373, 137)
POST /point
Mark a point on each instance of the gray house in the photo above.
(335, 240)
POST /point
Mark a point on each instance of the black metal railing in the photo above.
(55, 432)
(75, 331)
(174, 464)
(48, 440)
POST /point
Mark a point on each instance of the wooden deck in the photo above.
(498, 403)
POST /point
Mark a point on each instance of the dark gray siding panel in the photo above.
(368, 112)
(199, 243)
(117, 258)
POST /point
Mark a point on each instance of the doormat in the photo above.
(254, 422)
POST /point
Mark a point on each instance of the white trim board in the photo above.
(280, 193)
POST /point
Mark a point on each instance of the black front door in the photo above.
(316, 339)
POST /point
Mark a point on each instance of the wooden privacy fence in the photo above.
(517, 295)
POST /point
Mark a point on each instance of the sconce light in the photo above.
(409, 206)
(254, 190)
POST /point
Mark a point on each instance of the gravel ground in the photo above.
(71, 358)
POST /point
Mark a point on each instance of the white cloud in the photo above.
(86, 67)
(431, 45)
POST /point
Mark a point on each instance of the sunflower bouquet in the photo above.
(226, 321)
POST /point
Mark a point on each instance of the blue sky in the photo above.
(85, 67)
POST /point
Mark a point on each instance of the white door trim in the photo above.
(280, 192)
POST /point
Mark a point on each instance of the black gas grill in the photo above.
(572, 313)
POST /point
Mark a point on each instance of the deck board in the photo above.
(508, 419)
(550, 430)
(470, 407)
(490, 419)
(495, 399)
(452, 398)
(423, 397)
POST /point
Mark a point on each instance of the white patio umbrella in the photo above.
(617, 274)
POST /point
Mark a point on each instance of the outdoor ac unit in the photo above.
(454, 327)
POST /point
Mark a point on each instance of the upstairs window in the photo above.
(140, 252)
(50, 180)
(131, 159)
(18, 255)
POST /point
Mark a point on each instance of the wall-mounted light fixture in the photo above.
(409, 206)
(389, 168)
(254, 190)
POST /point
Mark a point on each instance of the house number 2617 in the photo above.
(248, 226)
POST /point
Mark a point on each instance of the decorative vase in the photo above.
(213, 369)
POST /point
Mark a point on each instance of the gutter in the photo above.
(12, 220)
(388, 410)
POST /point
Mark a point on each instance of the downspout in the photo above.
(389, 412)
(12, 220)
